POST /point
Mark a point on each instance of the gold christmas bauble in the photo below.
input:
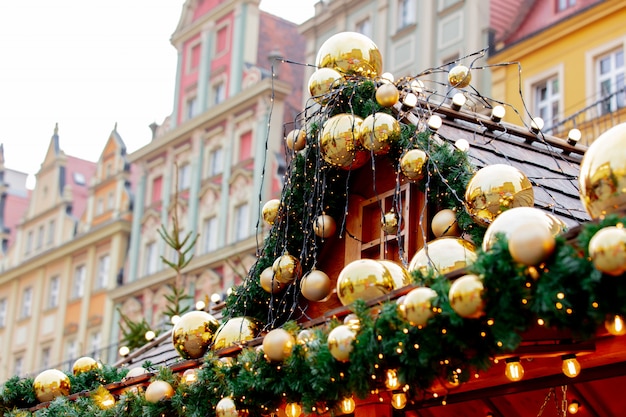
(340, 341)
(235, 331)
(268, 283)
(286, 269)
(379, 131)
(50, 384)
(226, 408)
(387, 95)
(412, 164)
(158, 391)
(602, 177)
(417, 307)
(495, 189)
(607, 249)
(340, 140)
(444, 223)
(466, 296)
(136, 371)
(84, 364)
(389, 223)
(296, 139)
(459, 76)
(278, 344)
(321, 82)
(531, 244)
(445, 254)
(363, 279)
(315, 285)
(270, 211)
(324, 226)
(399, 274)
(305, 336)
(351, 53)
(509, 221)
(193, 333)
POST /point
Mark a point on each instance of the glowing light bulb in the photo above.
(497, 113)
(573, 407)
(462, 145)
(458, 100)
(398, 400)
(150, 335)
(293, 410)
(571, 366)
(615, 325)
(200, 305)
(536, 124)
(124, 351)
(190, 376)
(514, 370)
(434, 122)
(574, 136)
(216, 298)
(392, 381)
(347, 405)
(175, 318)
(410, 100)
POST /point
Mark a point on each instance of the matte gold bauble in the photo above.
(268, 283)
(531, 244)
(495, 189)
(324, 226)
(296, 139)
(509, 221)
(278, 344)
(350, 53)
(315, 285)
(466, 296)
(387, 95)
(321, 82)
(602, 176)
(412, 164)
(389, 222)
(286, 269)
(340, 341)
(341, 136)
(270, 211)
(50, 384)
(84, 364)
(193, 334)
(363, 279)
(379, 131)
(444, 223)
(417, 307)
(444, 255)
(235, 331)
(136, 371)
(159, 390)
(607, 249)
(226, 408)
(459, 76)
(399, 274)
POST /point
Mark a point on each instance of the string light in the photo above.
(293, 410)
(434, 122)
(392, 382)
(200, 305)
(124, 351)
(150, 335)
(175, 319)
(571, 366)
(615, 325)
(458, 100)
(573, 407)
(536, 124)
(497, 113)
(573, 137)
(347, 405)
(398, 400)
(514, 370)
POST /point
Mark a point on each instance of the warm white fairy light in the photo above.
(497, 113)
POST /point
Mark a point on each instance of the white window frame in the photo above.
(102, 275)
(78, 282)
(184, 177)
(3, 312)
(613, 77)
(110, 201)
(44, 360)
(210, 230)
(99, 206)
(29, 242)
(51, 227)
(544, 108)
(40, 236)
(241, 222)
(190, 48)
(27, 303)
(452, 16)
(224, 26)
(562, 5)
(151, 258)
(532, 82)
(191, 107)
(218, 91)
(591, 69)
(95, 343)
(18, 365)
(54, 289)
(406, 13)
(71, 351)
(216, 161)
(365, 26)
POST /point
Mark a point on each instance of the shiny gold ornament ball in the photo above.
(296, 139)
(226, 408)
(340, 341)
(444, 255)
(315, 285)
(389, 223)
(459, 76)
(417, 306)
(270, 211)
(351, 53)
(286, 268)
(278, 344)
(322, 81)
(466, 296)
(399, 274)
(341, 140)
(531, 244)
(235, 331)
(607, 249)
(387, 95)
(363, 279)
(412, 164)
(602, 177)
(495, 189)
(158, 391)
(193, 334)
(379, 131)
(136, 371)
(268, 283)
(50, 384)
(85, 364)
(324, 226)
(444, 223)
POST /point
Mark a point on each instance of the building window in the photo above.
(547, 98)
(78, 289)
(3, 312)
(27, 303)
(156, 189)
(221, 40)
(18, 365)
(364, 27)
(209, 242)
(44, 362)
(610, 76)
(53, 292)
(40, 233)
(241, 223)
(94, 343)
(245, 146)
(151, 258)
(29, 242)
(107, 171)
(219, 92)
(564, 4)
(99, 207)
(406, 13)
(71, 352)
(50, 232)
(110, 201)
(184, 177)
(191, 107)
(195, 57)
(102, 278)
(216, 162)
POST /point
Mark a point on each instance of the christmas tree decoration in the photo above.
(341, 140)
(296, 139)
(293, 410)
(193, 334)
(270, 211)
(350, 53)
(315, 285)
(158, 391)
(602, 178)
(50, 384)
(321, 83)
(417, 306)
(412, 164)
(387, 95)
(444, 223)
(363, 279)
(466, 296)
(531, 244)
(135, 372)
(268, 283)
(340, 342)
(379, 131)
(607, 249)
(459, 76)
(347, 405)
(444, 255)
(226, 408)
(286, 269)
(389, 222)
(103, 398)
(85, 364)
(324, 226)
(497, 188)
(237, 330)
(400, 276)
(616, 325)
(190, 376)
(278, 344)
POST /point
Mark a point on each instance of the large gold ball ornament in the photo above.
(531, 244)
(226, 408)
(379, 131)
(270, 211)
(235, 331)
(495, 189)
(351, 53)
(399, 274)
(389, 222)
(340, 341)
(417, 306)
(286, 269)
(412, 164)
(444, 223)
(363, 279)
(296, 139)
(268, 283)
(158, 391)
(193, 334)
(602, 177)
(315, 285)
(324, 226)
(607, 249)
(135, 372)
(387, 95)
(340, 139)
(466, 296)
(321, 82)
(444, 255)
(50, 384)
(459, 76)
(278, 344)
(85, 364)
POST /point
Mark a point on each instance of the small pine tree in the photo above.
(133, 333)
